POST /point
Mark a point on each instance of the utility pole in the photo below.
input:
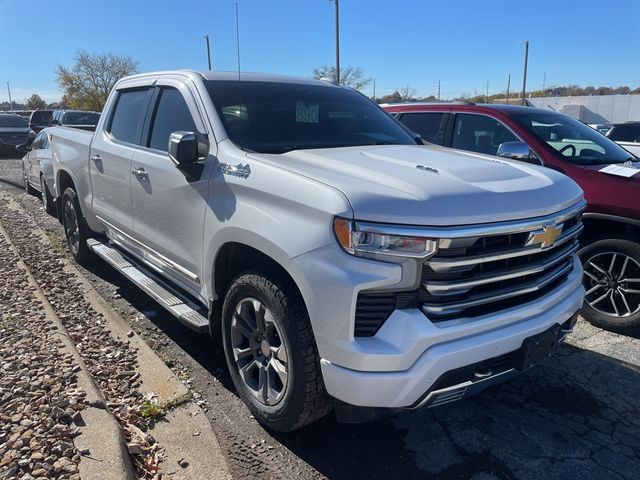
(206, 37)
(337, 41)
(374, 89)
(10, 101)
(544, 82)
(508, 87)
(438, 90)
(524, 79)
(487, 96)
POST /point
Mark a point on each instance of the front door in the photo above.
(168, 205)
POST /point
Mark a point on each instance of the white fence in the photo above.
(595, 108)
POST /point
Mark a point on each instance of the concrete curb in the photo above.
(101, 435)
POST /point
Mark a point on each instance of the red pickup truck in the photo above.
(611, 241)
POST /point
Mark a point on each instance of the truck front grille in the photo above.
(474, 275)
(483, 269)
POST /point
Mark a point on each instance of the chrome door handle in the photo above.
(140, 173)
(95, 158)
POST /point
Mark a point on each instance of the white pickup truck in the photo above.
(339, 260)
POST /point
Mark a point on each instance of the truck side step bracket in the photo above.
(186, 311)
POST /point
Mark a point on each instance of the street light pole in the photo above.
(524, 79)
(337, 41)
(10, 101)
(508, 87)
(206, 37)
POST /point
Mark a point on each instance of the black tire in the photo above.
(611, 302)
(27, 186)
(46, 197)
(75, 227)
(304, 399)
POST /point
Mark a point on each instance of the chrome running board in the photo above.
(186, 311)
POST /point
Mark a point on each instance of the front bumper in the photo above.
(394, 368)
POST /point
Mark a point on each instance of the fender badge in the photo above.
(239, 170)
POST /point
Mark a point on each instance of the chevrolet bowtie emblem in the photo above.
(545, 237)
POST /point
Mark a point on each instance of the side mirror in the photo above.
(23, 148)
(183, 148)
(517, 151)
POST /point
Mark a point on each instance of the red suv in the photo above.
(611, 241)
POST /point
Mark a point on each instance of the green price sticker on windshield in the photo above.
(306, 113)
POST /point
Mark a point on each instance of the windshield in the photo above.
(80, 118)
(575, 141)
(271, 117)
(13, 121)
(41, 118)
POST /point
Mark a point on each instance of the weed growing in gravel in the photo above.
(149, 409)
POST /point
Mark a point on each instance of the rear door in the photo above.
(110, 159)
(429, 125)
(168, 205)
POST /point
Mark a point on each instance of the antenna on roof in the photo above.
(238, 39)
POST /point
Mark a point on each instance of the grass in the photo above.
(57, 245)
(151, 410)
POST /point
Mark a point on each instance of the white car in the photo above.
(37, 169)
(338, 260)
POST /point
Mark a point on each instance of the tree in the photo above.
(407, 93)
(393, 98)
(87, 84)
(35, 101)
(349, 76)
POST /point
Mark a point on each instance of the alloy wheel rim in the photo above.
(612, 281)
(71, 226)
(259, 351)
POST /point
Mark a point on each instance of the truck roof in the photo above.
(232, 76)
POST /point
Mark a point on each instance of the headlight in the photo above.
(366, 243)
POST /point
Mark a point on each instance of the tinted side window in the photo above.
(625, 133)
(172, 115)
(428, 125)
(478, 133)
(128, 115)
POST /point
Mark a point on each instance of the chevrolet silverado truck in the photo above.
(338, 260)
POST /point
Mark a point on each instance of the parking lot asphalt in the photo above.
(576, 416)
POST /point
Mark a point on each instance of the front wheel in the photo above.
(75, 228)
(612, 281)
(271, 353)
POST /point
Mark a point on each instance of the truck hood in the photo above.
(428, 185)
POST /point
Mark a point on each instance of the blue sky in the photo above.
(462, 43)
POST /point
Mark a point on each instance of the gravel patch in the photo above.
(39, 393)
(111, 362)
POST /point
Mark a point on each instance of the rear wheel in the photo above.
(75, 227)
(27, 186)
(271, 353)
(47, 198)
(612, 281)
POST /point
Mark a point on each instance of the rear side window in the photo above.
(427, 125)
(479, 133)
(128, 115)
(172, 115)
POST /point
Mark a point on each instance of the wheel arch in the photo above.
(63, 181)
(598, 224)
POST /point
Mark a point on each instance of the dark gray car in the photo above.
(14, 130)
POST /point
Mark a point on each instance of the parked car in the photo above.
(37, 169)
(603, 128)
(75, 118)
(337, 260)
(14, 130)
(40, 119)
(611, 248)
(626, 135)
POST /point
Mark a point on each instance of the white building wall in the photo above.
(597, 108)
